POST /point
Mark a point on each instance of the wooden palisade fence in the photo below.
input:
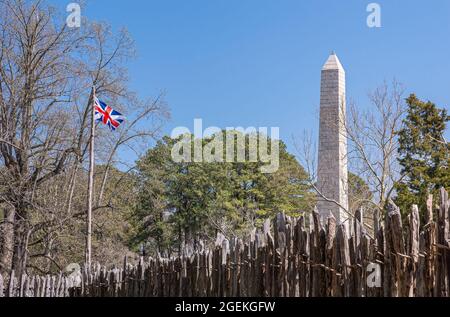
(288, 258)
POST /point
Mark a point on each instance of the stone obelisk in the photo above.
(332, 162)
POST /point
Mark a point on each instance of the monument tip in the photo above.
(333, 62)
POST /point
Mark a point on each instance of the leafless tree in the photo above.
(373, 140)
(46, 73)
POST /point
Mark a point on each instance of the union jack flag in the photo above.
(107, 115)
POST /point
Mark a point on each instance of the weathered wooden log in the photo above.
(284, 258)
(2, 288)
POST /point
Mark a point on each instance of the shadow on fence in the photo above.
(285, 259)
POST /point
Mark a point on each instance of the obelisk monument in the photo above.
(332, 171)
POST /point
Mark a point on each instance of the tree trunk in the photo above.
(7, 239)
(21, 239)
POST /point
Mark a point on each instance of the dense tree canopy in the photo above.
(423, 153)
(181, 202)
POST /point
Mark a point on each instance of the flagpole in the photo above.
(91, 182)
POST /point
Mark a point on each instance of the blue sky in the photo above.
(257, 62)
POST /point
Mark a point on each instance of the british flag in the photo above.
(107, 115)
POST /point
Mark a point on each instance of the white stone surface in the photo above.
(332, 167)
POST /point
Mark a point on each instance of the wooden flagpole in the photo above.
(91, 182)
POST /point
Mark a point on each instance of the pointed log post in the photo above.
(413, 249)
(11, 286)
(358, 236)
(395, 250)
(317, 252)
(331, 278)
(443, 259)
(1, 287)
(344, 254)
(280, 252)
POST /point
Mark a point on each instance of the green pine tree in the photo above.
(423, 153)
